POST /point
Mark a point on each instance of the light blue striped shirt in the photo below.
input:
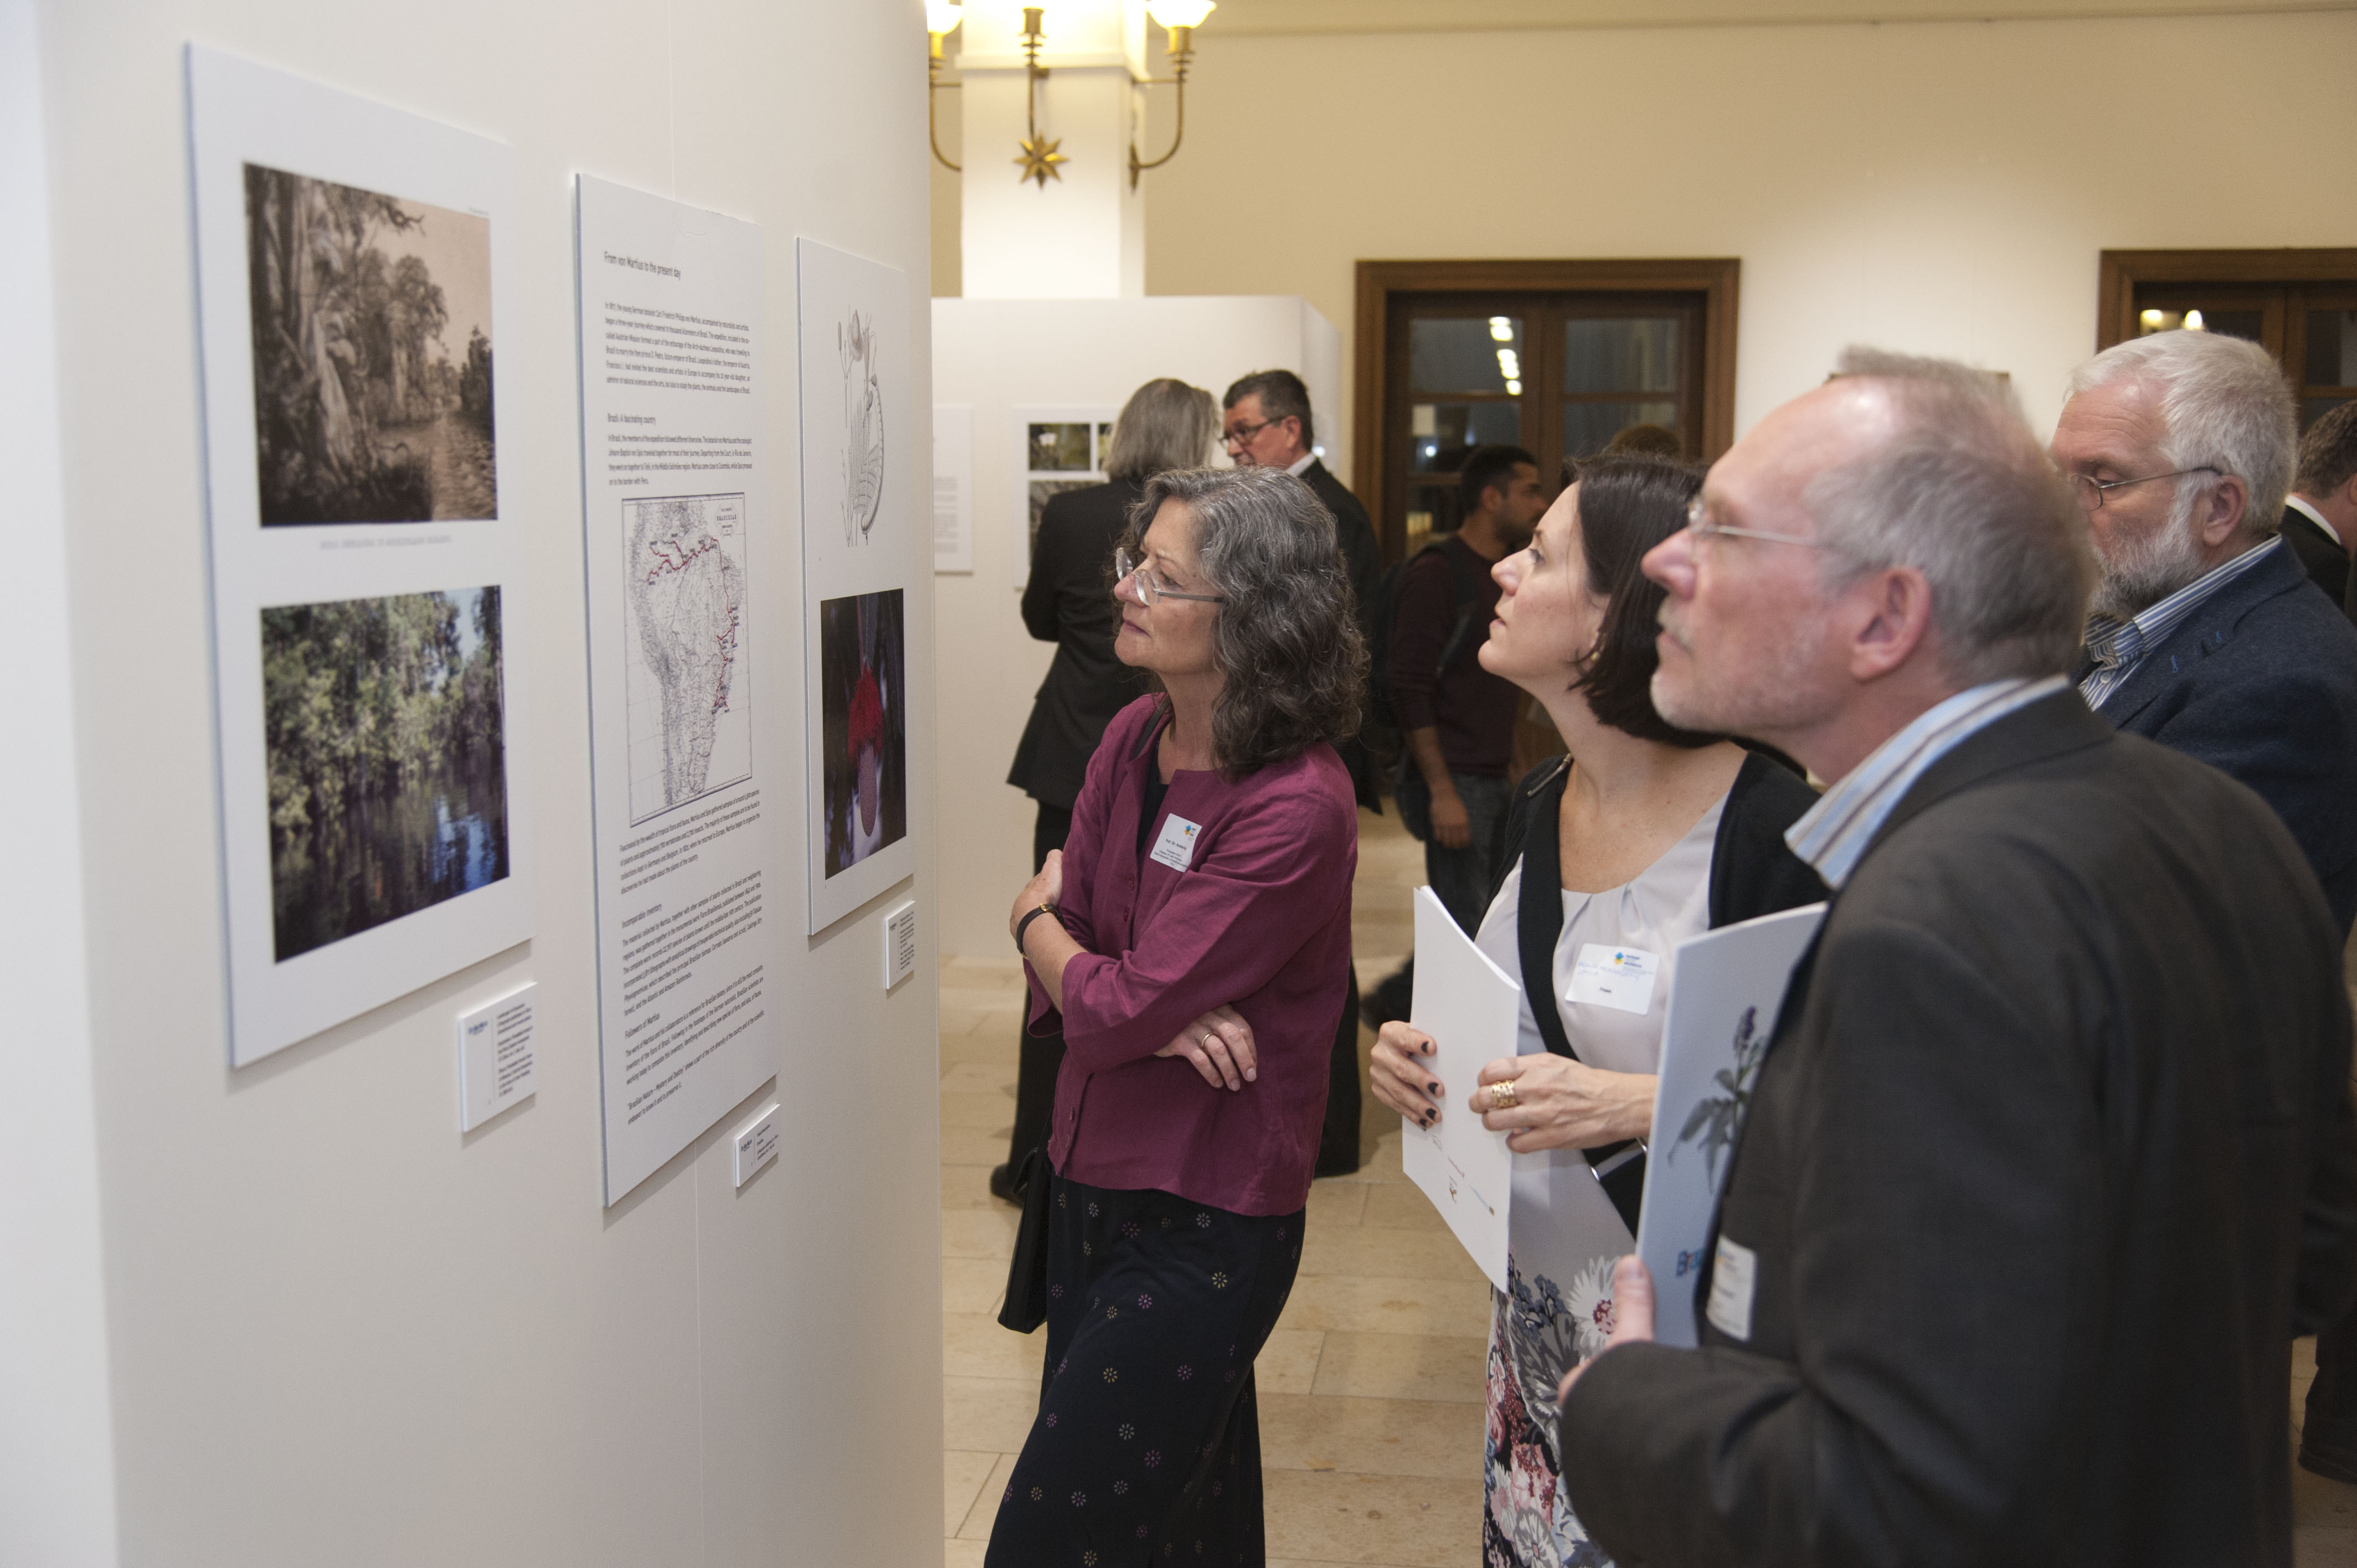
(1836, 830)
(2118, 647)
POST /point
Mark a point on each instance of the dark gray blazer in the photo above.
(2051, 1156)
(1069, 602)
(1364, 559)
(2261, 683)
(2322, 556)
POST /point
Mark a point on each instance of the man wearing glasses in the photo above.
(1268, 425)
(2204, 635)
(2207, 639)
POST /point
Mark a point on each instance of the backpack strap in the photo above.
(1464, 579)
(1538, 926)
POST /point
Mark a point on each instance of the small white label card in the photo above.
(1615, 977)
(498, 1064)
(1176, 847)
(1734, 1274)
(900, 944)
(756, 1143)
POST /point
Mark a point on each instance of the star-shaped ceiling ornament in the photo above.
(1039, 160)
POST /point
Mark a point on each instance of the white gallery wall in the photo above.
(288, 1314)
(1936, 187)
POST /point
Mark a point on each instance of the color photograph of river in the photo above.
(383, 722)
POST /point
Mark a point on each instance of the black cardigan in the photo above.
(1753, 871)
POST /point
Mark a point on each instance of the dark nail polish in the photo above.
(1436, 1089)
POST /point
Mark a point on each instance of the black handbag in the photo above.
(1026, 1307)
(1538, 922)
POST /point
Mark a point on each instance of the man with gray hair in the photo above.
(2052, 1145)
(2204, 636)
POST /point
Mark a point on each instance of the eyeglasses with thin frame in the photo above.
(1701, 527)
(2091, 491)
(1242, 434)
(1125, 566)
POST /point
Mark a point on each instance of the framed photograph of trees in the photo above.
(354, 271)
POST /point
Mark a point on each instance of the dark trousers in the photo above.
(1338, 1140)
(2329, 1426)
(1460, 878)
(1146, 1444)
(1041, 1055)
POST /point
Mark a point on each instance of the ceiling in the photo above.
(1246, 17)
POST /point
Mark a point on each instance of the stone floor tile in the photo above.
(1454, 1306)
(978, 1519)
(972, 1285)
(1410, 1521)
(1336, 1202)
(964, 1471)
(967, 1187)
(1445, 1368)
(974, 1345)
(960, 1553)
(1368, 1254)
(1402, 1207)
(2318, 1501)
(975, 1146)
(1288, 1362)
(1372, 1436)
(977, 1049)
(980, 1077)
(987, 1413)
(980, 1233)
(988, 1112)
(2313, 1547)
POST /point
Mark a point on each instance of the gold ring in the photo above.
(1210, 1039)
(1504, 1096)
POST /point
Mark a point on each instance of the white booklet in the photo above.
(1724, 998)
(1472, 1010)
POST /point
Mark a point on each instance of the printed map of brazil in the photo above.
(689, 712)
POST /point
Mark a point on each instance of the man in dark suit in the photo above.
(2204, 635)
(1266, 424)
(2053, 1148)
(2321, 514)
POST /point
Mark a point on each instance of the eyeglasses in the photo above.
(1241, 436)
(1149, 586)
(1701, 527)
(2091, 492)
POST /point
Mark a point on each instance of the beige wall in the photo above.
(338, 1331)
(1939, 185)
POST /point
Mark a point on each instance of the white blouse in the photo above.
(1562, 1226)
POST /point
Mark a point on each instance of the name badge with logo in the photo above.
(1615, 977)
(1176, 847)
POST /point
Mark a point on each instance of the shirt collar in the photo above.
(1301, 466)
(2115, 643)
(1835, 832)
(2299, 504)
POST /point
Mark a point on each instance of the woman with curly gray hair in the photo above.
(1193, 941)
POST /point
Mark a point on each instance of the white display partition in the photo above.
(1008, 358)
(364, 568)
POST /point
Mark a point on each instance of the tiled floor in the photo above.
(1369, 1388)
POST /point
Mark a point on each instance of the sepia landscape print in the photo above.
(383, 721)
(371, 321)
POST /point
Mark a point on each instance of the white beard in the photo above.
(2147, 570)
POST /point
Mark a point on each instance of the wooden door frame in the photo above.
(1716, 278)
(2122, 270)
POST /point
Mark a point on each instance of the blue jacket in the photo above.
(2260, 682)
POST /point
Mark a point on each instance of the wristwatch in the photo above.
(1024, 925)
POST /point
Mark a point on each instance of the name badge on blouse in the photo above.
(1615, 977)
(1176, 847)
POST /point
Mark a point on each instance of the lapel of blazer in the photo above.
(2297, 521)
(2210, 627)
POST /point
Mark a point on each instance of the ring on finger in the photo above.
(1210, 1040)
(1503, 1095)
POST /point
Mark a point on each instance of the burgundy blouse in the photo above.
(1260, 920)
